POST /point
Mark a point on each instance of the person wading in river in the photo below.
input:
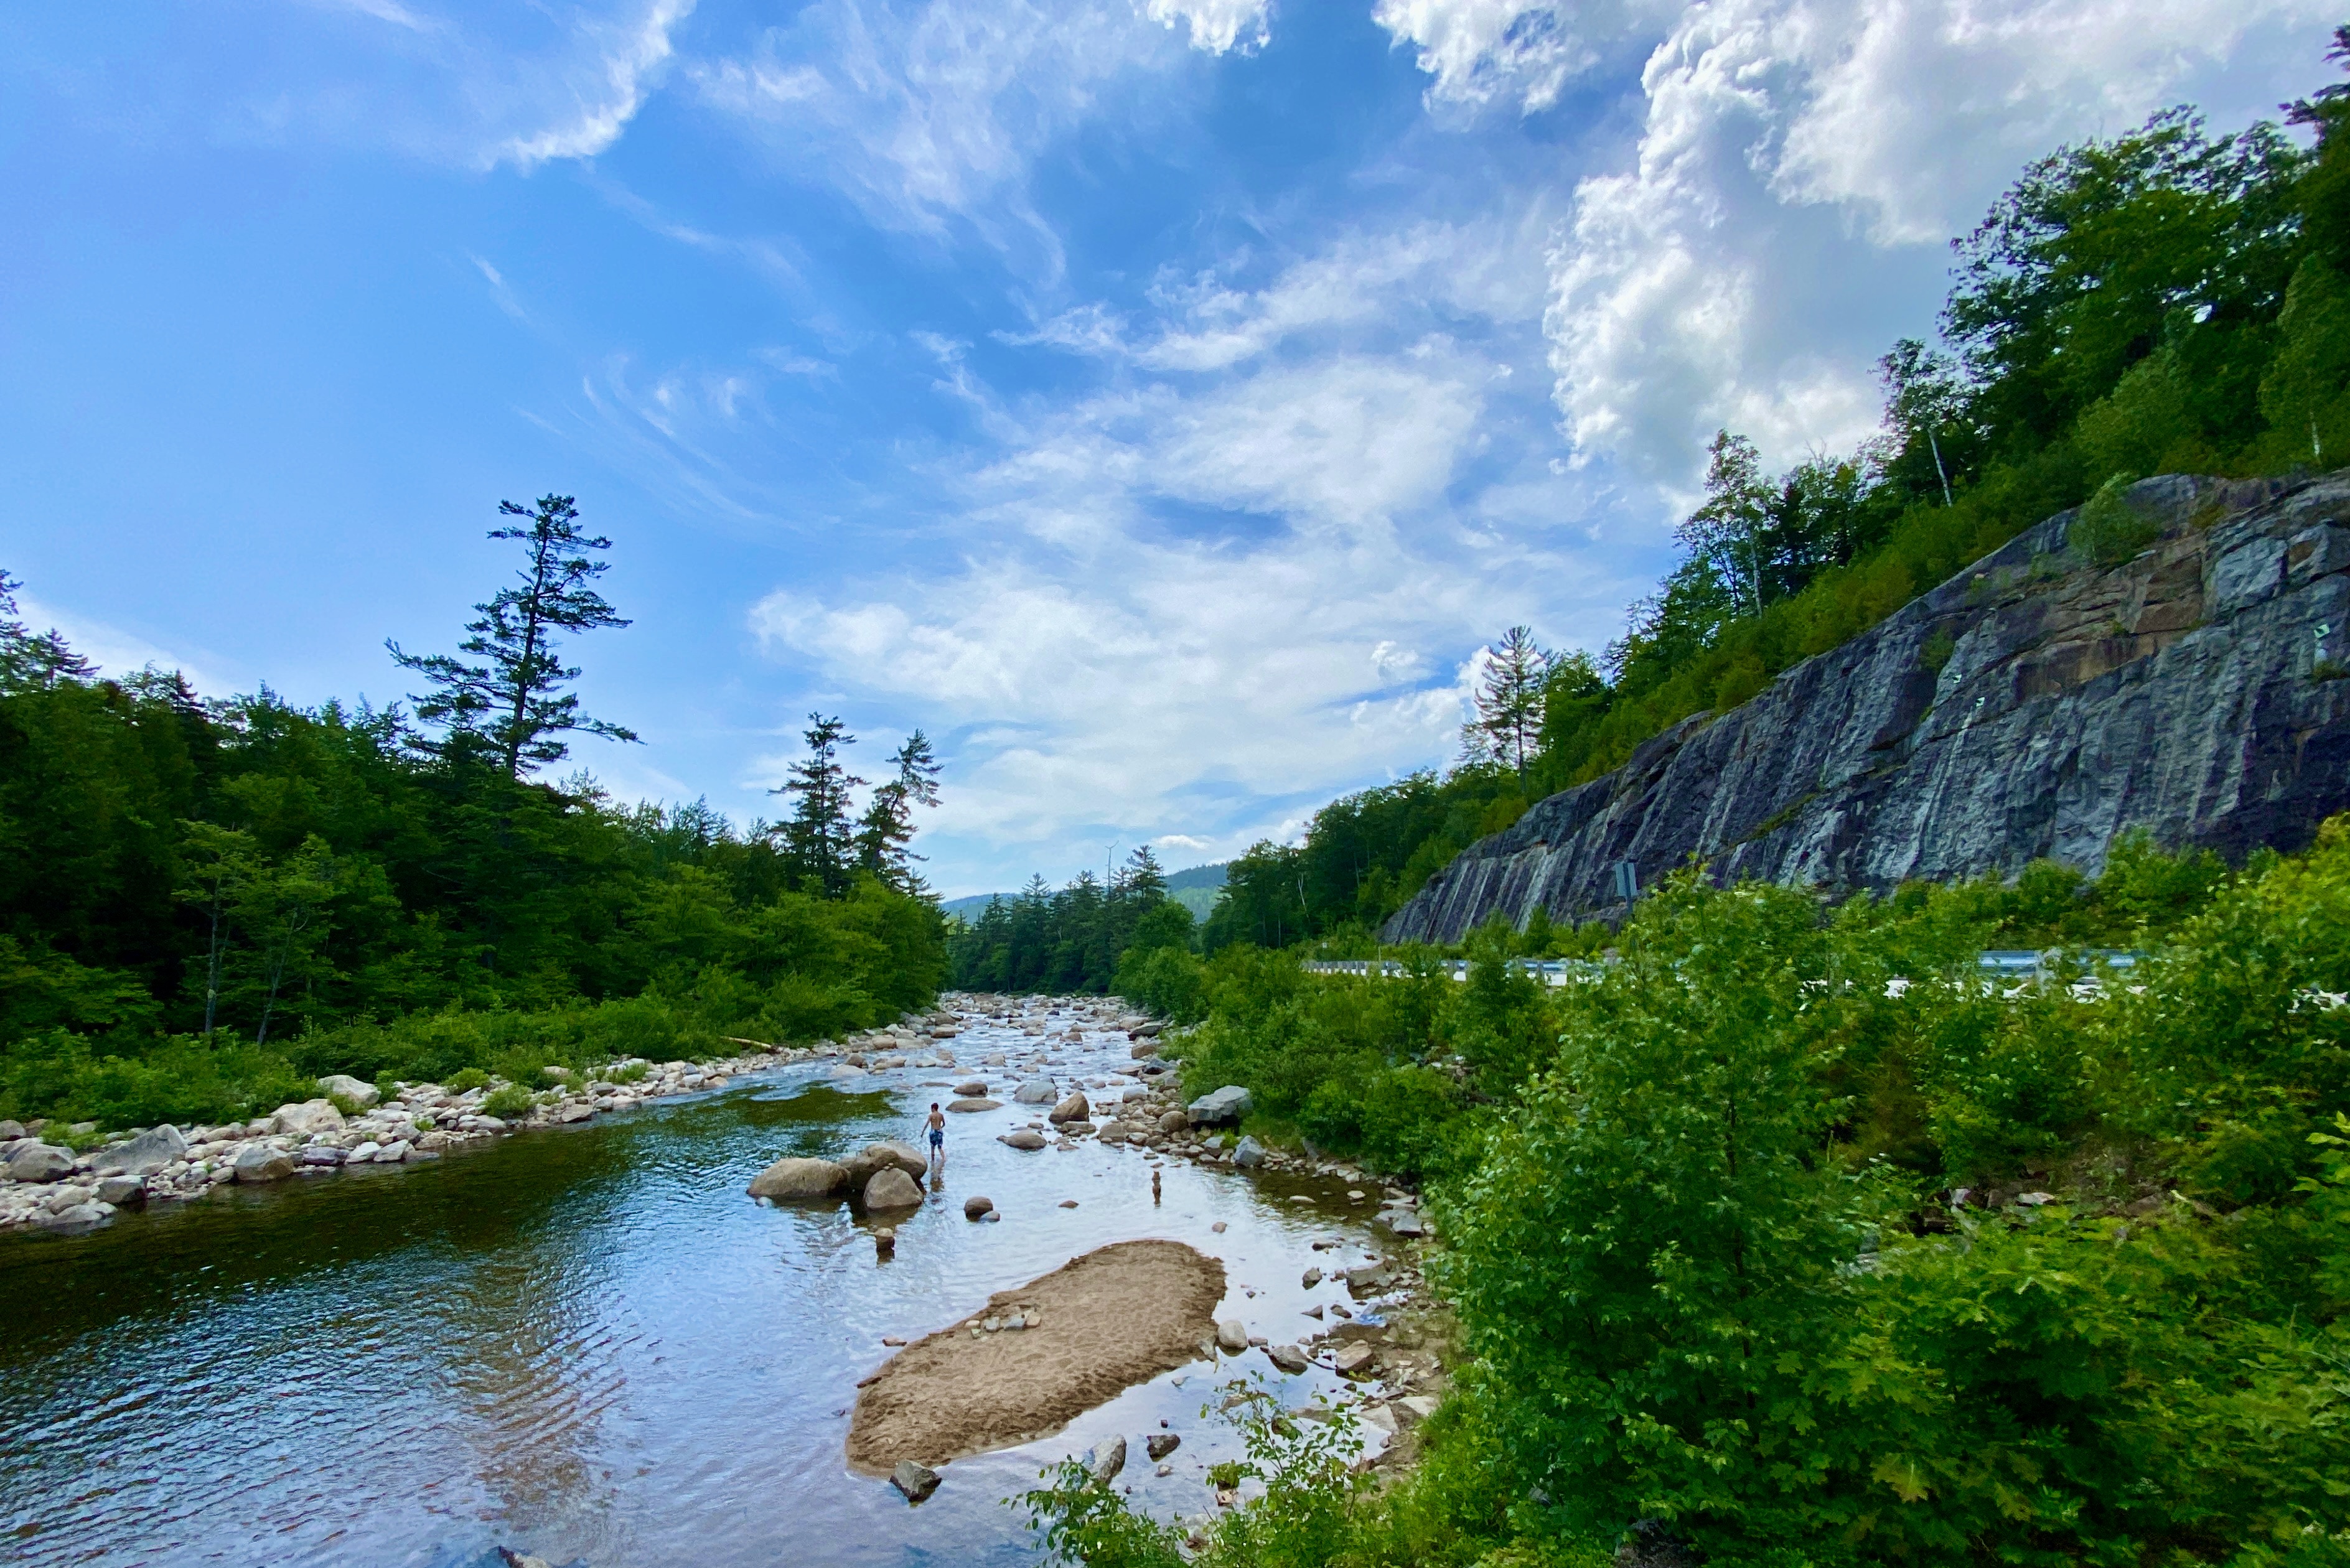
(938, 1126)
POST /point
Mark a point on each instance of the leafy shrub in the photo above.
(465, 1081)
(2109, 530)
(508, 1103)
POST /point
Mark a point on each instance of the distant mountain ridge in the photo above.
(1196, 887)
(2038, 703)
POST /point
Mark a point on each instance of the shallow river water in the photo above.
(588, 1344)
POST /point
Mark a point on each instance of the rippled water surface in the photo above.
(585, 1344)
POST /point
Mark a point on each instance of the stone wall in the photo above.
(2035, 704)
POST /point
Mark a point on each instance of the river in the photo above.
(588, 1344)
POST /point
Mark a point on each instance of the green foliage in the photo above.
(508, 1103)
(2108, 530)
(1075, 939)
(465, 1080)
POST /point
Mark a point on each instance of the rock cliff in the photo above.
(2035, 704)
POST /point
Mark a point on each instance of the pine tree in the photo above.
(820, 837)
(886, 827)
(33, 658)
(1510, 700)
(1727, 528)
(513, 704)
(1143, 878)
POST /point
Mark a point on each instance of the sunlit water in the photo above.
(587, 1343)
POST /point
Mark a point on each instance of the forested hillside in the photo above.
(208, 903)
(2171, 300)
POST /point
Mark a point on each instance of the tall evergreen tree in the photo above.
(886, 828)
(819, 837)
(29, 657)
(1510, 699)
(511, 705)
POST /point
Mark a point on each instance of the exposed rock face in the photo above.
(2035, 704)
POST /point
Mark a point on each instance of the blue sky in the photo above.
(1158, 400)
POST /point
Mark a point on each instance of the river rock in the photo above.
(1313, 1278)
(73, 1217)
(11, 1130)
(1227, 1104)
(363, 1095)
(1072, 1109)
(973, 1207)
(257, 1162)
(309, 1117)
(1402, 1222)
(1142, 1048)
(1174, 1122)
(1380, 1420)
(1036, 1092)
(1353, 1360)
(973, 1088)
(791, 1179)
(39, 1162)
(148, 1153)
(1418, 1407)
(892, 1188)
(123, 1191)
(1107, 1462)
(1232, 1336)
(363, 1152)
(1287, 1358)
(917, 1481)
(1159, 1445)
(1248, 1155)
(323, 1154)
(1023, 1139)
(975, 1105)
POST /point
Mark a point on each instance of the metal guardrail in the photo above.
(2014, 963)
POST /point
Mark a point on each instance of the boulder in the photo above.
(975, 1105)
(973, 1207)
(1402, 1222)
(1248, 1155)
(11, 1130)
(1227, 1104)
(123, 1191)
(917, 1481)
(973, 1088)
(1353, 1360)
(322, 1154)
(362, 1153)
(1072, 1109)
(892, 1188)
(308, 1118)
(148, 1153)
(905, 1155)
(1107, 1462)
(73, 1217)
(1313, 1278)
(1159, 1445)
(1147, 1030)
(39, 1162)
(363, 1095)
(1287, 1358)
(392, 1153)
(1142, 1048)
(1023, 1139)
(1418, 1407)
(794, 1178)
(1174, 1122)
(258, 1162)
(1232, 1336)
(1378, 1418)
(1036, 1092)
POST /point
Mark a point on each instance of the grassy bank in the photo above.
(1794, 1237)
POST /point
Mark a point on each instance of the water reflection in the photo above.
(585, 1342)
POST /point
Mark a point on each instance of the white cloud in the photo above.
(937, 112)
(628, 56)
(1796, 162)
(1218, 27)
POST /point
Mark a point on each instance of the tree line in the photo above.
(1070, 940)
(2168, 300)
(206, 903)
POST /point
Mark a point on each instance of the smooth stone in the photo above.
(1159, 1445)
(978, 1105)
(1420, 1407)
(1379, 1419)
(1023, 1139)
(1287, 1358)
(1232, 1336)
(917, 1481)
(892, 1188)
(1069, 1203)
(1036, 1092)
(973, 1207)
(1353, 1360)
(1218, 1227)
(1313, 1278)
(363, 1095)
(39, 1162)
(1108, 1461)
(1174, 1122)
(1248, 1155)
(363, 1153)
(11, 1130)
(259, 1162)
(1229, 1104)
(323, 1154)
(123, 1191)
(73, 1217)
(1072, 1109)
(145, 1155)
(975, 1088)
(309, 1117)
(794, 1178)
(395, 1151)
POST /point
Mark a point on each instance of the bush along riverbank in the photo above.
(69, 1179)
(1790, 1237)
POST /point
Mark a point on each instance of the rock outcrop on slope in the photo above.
(2035, 704)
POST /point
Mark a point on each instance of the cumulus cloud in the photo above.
(1796, 163)
(1218, 27)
